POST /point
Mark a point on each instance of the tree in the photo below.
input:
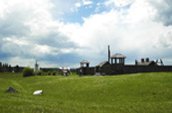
(0, 66)
(28, 72)
(16, 69)
(10, 69)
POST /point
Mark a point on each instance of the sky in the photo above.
(65, 32)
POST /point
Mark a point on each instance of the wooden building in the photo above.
(116, 65)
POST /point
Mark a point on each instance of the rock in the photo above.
(11, 90)
(38, 92)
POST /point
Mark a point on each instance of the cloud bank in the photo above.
(32, 30)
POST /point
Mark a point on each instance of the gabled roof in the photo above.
(103, 63)
(84, 62)
(147, 63)
(118, 55)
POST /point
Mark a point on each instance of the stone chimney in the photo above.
(136, 62)
(109, 53)
(142, 60)
(147, 59)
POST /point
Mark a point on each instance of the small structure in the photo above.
(145, 62)
(84, 63)
(159, 62)
(118, 59)
(85, 68)
(36, 69)
(65, 70)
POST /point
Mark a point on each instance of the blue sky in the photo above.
(62, 32)
(85, 11)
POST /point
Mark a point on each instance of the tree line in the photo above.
(5, 67)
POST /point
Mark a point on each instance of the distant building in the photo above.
(118, 59)
(115, 64)
(103, 68)
(145, 62)
(84, 63)
(36, 69)
(85, 68)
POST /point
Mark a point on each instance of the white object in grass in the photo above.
(38, 92)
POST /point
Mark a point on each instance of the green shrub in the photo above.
(28, 72)
(54, 73)
(49, 72)
(39, 73)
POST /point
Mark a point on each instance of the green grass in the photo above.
(134, 93)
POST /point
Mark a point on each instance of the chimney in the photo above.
(147, 59)
(136, 62)
(142, 60)
(109, 53)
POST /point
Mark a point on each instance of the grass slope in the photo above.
(136, 93)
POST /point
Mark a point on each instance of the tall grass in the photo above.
(134, 93)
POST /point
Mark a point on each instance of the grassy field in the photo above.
(134, 93)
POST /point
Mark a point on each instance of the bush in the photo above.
(28, 72)
(49, 73)
(54, 73)
(39, 73)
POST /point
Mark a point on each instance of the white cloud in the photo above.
(34, 30)
(78, 4)
(29, 28)
(81, 3)
(87, 2)
(118, 3)
(21, 61)
(128, 31)
(164, 9)
(16, 41)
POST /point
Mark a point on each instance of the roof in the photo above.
(84, 62)
(103, 63)
(146, 63)
(118, 55)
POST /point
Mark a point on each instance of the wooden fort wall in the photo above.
(137, 69)
(125, 69)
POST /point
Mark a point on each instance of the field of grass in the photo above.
(134, 93)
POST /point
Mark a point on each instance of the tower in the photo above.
(36, 66)
(109, 53)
